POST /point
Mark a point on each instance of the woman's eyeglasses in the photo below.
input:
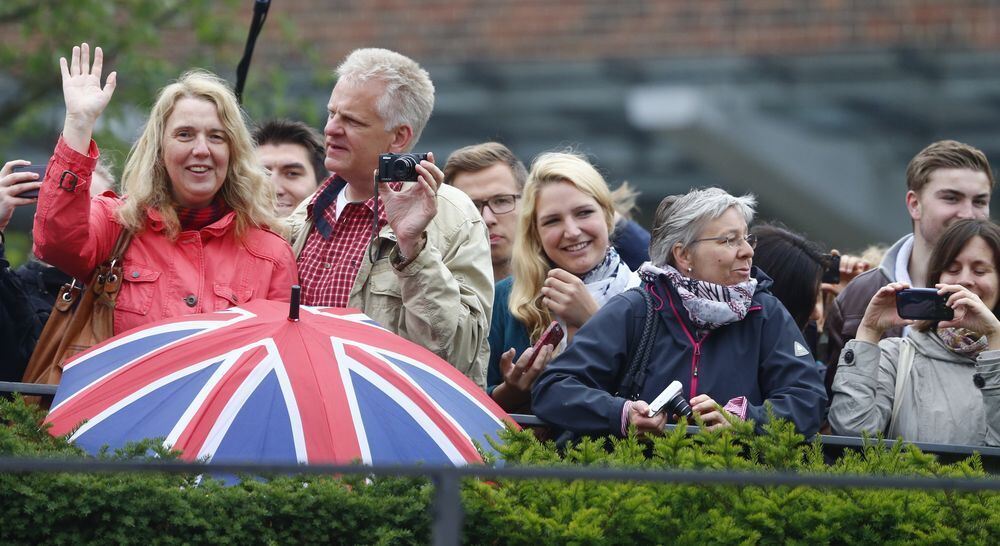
(732, 241)
(498, 204)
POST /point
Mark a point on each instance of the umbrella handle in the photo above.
(293, 309)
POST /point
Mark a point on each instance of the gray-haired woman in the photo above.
(716, 329)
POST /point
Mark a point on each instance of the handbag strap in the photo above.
(104, 273)
(124, 239)
(903, 367)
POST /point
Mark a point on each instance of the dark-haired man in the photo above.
(293, 153)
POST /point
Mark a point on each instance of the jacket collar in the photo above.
(764, 282)
(216, 229)
(888, 265)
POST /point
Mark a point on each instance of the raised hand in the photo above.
(85, 98)
(850, 267)
(880, 315)
(412, 208)
(566, 296)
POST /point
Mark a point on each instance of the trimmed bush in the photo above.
(173, 509)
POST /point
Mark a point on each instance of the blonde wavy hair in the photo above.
(530, 263)
(145, 182)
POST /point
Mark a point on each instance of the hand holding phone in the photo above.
(514, 394)
(881, 314)
(37, 169)
(923, 304)
(831, 273)
(551, 337)
(971, 313)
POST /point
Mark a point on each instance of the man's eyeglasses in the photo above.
(498, 204)
(732, 241)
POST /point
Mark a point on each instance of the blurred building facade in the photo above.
(814, 105)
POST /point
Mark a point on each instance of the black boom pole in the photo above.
(259, 16)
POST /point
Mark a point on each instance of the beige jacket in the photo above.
(443, 299)
(941, 400)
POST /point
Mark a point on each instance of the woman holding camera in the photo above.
(198, 206)
(941, 382)
(564, 269)
(713, 326)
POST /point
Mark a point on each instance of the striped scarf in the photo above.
(197, 219)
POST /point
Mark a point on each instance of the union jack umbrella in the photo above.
(249, 384)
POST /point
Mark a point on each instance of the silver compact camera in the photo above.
(672, 401)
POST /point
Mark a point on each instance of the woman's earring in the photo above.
(689, 270)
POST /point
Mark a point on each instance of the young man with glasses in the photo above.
(492, 177)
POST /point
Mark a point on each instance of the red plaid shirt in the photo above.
(330, 260)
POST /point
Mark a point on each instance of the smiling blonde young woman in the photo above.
(564, 269)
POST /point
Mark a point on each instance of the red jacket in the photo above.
(200, 271)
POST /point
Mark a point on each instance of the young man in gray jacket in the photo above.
(946, 181)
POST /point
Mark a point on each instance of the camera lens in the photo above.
(403, 168)
(679, 406)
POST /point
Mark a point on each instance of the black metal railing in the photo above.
(447, 513)
(45, 391)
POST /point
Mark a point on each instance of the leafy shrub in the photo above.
(171, 509)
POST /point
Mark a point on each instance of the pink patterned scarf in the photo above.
(709, 305)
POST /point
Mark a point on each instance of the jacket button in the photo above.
(849, 356)
(135, 274)
(978, 381)
(191, 301)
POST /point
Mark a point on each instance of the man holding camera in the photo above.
(427, 274)
(946, 181)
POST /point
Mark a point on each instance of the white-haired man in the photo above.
(427, 275)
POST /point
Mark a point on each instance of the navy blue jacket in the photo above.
(632, 243)
(26, 297)
(755, 358)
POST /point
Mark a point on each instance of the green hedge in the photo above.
(157, 509)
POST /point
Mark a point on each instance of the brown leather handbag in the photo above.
(81, 318)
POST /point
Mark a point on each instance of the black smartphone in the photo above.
(831, 274)
(551, 336)
(38, 169)
(923, 304)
